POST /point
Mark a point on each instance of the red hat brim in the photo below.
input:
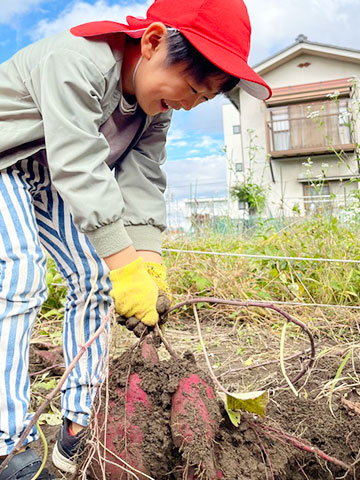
(92, 29)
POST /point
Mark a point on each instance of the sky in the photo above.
(196, 162)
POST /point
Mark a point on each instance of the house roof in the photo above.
(303, 45)
(310, 91)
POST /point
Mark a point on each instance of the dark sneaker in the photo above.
(24, 466)
(67, 448)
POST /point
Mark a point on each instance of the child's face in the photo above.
(159, 87)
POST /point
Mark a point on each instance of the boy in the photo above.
(83, 122)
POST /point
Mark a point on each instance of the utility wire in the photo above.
(265, 257)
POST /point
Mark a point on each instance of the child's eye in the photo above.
(195, 92)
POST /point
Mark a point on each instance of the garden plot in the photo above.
(244, 354)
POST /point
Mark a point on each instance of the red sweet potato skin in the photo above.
(177, 442)
(149, 353)
(125, 429)
(187, 402)
(194, 422)
(124, 436)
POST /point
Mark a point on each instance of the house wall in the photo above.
(291, 176)
(234, 152)
(213, 207)
(320, 69)
(285, 189)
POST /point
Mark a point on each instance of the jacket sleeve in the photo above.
(142, 183)
(68, 94)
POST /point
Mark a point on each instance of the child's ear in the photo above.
(152, 38)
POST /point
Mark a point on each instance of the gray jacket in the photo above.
(55, 94)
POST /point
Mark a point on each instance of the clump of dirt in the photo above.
(46, 358)
(310, 418)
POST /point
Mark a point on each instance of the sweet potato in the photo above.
(126, 426)
(194, 423)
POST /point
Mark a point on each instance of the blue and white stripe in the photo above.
(32, 216)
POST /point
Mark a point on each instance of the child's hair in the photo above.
(198, 66)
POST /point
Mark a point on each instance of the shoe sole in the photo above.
(61, 462)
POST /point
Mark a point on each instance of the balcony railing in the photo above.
(307, 135)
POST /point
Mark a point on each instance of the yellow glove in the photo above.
(135, 293)
(157, 272)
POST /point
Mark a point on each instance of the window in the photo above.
(238, 167)
(236, 129)
(317, 198)
(281, 128)
(305, 126)
(241, 205)
(344, 122)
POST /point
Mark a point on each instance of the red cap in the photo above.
(219, 29)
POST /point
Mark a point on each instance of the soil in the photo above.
(246, 452)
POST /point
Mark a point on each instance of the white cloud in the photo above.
(197, 176)
(175, 135)
(10, 9)
(205, 142)
(208, 142)
(81, 12)
(180, 143)
(276, 25)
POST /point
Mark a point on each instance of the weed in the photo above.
(55, 303)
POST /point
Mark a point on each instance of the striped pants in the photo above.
(33, 217)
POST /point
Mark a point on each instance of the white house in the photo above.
(205, 211)
(300, 145)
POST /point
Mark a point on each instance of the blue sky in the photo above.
(195, 162)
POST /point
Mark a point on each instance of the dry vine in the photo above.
(284, 437)
(239, 303)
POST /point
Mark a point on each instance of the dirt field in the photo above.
(250, 451)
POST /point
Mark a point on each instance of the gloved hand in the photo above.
(135, 292)
(157, 272)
